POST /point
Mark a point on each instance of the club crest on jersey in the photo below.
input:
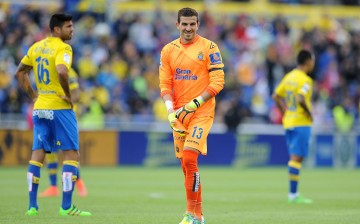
(200, 55)
(215, 58)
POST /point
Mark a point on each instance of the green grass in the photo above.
(156, 195)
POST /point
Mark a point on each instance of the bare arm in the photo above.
(22, 75)
(280, 103)
(167, 98)
(64, 82)
(206, 96)
(75, 95)
(302, 103)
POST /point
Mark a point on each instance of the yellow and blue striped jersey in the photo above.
(44, 56)
(295, 82)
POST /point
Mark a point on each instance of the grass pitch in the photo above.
(128, 195)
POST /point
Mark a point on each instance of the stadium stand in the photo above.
(116, 54)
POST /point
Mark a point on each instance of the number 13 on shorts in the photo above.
(199, 129)
(197, 132)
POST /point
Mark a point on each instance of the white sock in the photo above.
(293, 195)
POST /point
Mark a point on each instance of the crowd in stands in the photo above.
(117, 62)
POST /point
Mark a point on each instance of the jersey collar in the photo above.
(195, 39)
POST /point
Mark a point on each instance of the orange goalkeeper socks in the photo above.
(192, 179)
(198, 206)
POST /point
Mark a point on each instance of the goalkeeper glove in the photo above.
(189, 108)
(176, 125)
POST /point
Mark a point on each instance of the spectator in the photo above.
(119, 58)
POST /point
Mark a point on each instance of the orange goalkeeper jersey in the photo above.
(187, 70)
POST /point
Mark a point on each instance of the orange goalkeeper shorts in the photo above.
(198, 128)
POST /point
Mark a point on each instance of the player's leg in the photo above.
(52, 165)
(69, 176)
(192, 178)
(33, 180)
(188, 217)
(294, 166)
(195, 143)
(198, 207)
(178, 148)
(193, 186)
(40, 137)
(298, 143)
(67, 140)
(190, 196)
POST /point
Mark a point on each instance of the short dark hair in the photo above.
(188, 12)
(58, 20)
(304, 56)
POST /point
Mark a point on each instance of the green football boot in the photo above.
(73, 211)
(188, 219)
(300, 200)
(202, 221)
(32, 212)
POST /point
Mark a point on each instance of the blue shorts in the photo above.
(298, 140)
(54, 130)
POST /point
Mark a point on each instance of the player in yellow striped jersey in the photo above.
(52, 158)
(55, 125)
(293, 98)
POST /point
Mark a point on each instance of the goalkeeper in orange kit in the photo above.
(191, 74)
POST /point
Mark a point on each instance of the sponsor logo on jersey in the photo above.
(184, 74)
(215, 58)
